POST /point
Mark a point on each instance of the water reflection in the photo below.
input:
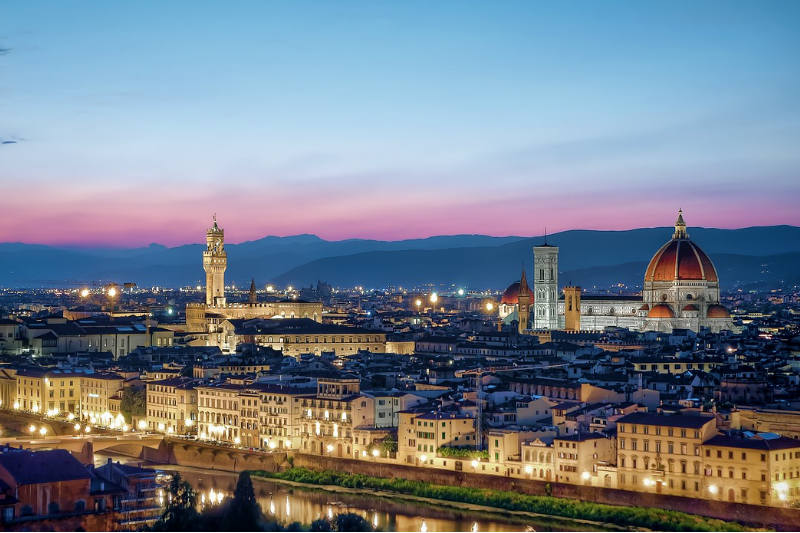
(288, 504)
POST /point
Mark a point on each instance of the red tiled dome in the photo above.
(717, 311)
(680, 259)
(511, 294)
(644, 307)
(690, 307)
(661, 311)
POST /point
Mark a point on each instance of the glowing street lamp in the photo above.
(112, 292)
(84, 293)
(434, 297)
(489, 307)
(461, 292)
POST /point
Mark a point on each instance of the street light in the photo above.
(84, 293)
(434, 297)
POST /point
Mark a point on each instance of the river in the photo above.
(288, 504)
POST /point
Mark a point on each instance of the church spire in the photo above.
(523, 282)
(253, 298)
(680, 227)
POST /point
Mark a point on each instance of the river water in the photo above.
(288, 504)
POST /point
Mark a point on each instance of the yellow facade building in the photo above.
(662, 453)
(172, 405)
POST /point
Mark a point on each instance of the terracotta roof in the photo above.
(28, 468)
(678, 421)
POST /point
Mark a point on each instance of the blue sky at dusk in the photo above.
(134, 122)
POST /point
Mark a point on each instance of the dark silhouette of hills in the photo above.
(587, 258)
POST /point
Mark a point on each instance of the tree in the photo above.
(243, 512)
(180, 514)
(134, 402)
(351, 522)
(389, 445)
(321, 524)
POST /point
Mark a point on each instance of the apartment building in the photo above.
(662, 453)
(580, 457)
(218, 411)
(761, 469)
(422, 433)
(172, 405)
(96, 395)
(327, 419)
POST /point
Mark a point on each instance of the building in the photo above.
(205, 318)
(298, 336)
(328, 418)
(97, 392)
(579, 458)
(48, 391)
(680, 291)
(761, 469)
(51, 485)
(421, 433)
(172, 405)
(681, 287)
(662, 453)
(138, 505)
(280, 413)
(545, 287)
(218, 411)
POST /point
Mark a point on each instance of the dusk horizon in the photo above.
(394, 121)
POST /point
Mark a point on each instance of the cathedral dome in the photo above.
(661, 311)
(680, 259)
(511, 294)
(690, 307)
(717, 311)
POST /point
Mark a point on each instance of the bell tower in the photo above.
(215, 261)
(523, 303)
(572, 308)
(545, 287)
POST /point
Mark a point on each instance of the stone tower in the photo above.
(215, 261)
(253, 299)
(524, 303)
(572, 308)
(545, 287)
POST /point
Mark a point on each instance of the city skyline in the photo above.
(394, 121)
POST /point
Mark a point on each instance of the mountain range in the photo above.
(766, 255)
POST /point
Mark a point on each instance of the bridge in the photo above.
(144, 446)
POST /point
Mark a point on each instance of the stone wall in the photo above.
(200, 455)
(785, 519)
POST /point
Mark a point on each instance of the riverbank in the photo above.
(606, 516)
(521, 517)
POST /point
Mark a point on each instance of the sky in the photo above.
(127, 123)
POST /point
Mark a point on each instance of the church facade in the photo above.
(680, 290)
(205, 317)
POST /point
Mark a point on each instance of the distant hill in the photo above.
(586, 257)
